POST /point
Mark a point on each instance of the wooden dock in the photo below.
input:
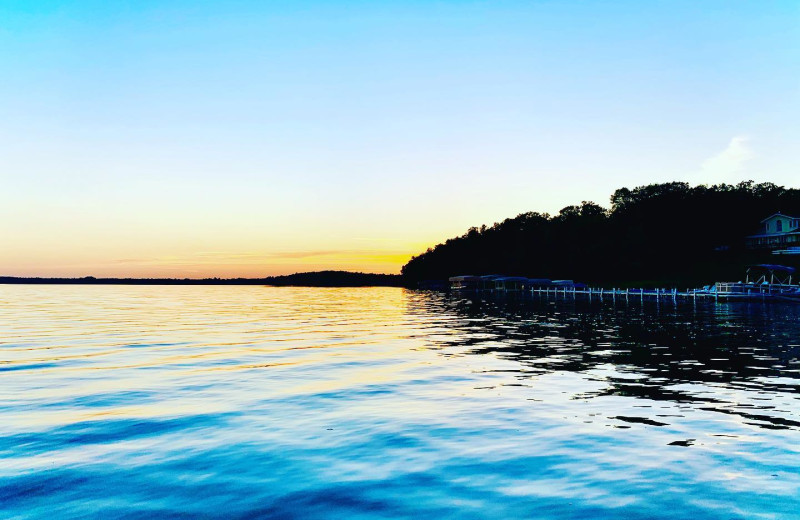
(658, 294)
(624, 294)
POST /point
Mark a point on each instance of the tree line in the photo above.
(308, 279)
(670, 233)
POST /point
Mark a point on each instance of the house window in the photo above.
(778, 226)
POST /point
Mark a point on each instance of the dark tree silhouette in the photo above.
(661, 233)
(310, 279)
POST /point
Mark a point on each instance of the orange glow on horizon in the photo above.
(216, 264)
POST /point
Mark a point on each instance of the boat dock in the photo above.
(599, 292)
(631, 294)
(767, 287)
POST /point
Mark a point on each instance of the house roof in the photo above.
(778, 214)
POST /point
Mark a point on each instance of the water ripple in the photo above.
(243, 402)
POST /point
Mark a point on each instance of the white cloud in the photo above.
(728, 165)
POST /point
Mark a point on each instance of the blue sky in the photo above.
(227, 138)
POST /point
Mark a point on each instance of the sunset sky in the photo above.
(250, 138)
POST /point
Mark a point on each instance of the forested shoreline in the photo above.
(669, 234)
(308, 279)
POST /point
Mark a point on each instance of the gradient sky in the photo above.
(247, 138)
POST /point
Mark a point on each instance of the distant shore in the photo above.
(310, 279)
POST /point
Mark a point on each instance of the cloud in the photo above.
(727, 165)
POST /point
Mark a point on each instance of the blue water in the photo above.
(248, 402)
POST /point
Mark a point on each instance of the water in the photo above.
(247, 402)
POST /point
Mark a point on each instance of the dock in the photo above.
(761, 290)
(599, 292)
(627, 294)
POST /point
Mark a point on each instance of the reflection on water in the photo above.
(243, 402)
(705, 355)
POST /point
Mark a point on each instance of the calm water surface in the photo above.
(247, 402)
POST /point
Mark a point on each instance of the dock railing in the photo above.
(724, 291)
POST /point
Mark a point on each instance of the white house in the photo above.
(777, 231)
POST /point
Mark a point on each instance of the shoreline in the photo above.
(310, 279)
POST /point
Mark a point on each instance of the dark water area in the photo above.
(259, 402)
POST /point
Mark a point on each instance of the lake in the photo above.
(262, 402)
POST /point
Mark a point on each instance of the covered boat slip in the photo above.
(769, 273)
(464, 283)
(761, 281)
(496, 282)
(510, 283)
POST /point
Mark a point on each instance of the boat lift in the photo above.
(781, 273)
